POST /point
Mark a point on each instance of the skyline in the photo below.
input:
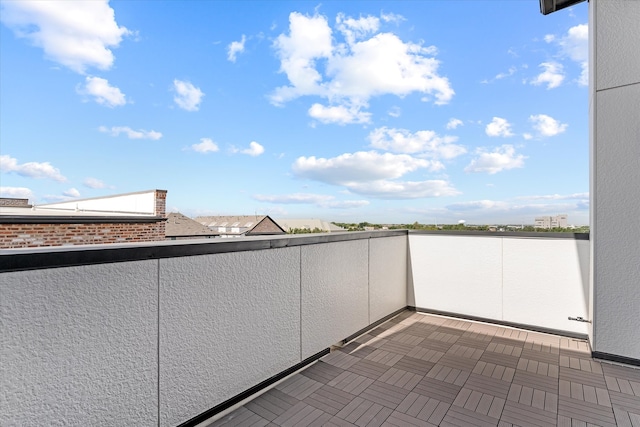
(385, 112)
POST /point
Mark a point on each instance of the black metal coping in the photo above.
(516, 234)
(503, 323)
(374, 325)
(69, 256)
(253, 390)
(78, 219)
(615, 358)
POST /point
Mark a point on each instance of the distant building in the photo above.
(132, 217)
(308, 224)
(559, 221)
(180, 227)
(241, 225)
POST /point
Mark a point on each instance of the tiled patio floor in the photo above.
(424, 370)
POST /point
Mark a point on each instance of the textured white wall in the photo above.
(335, 296)
(387, 276)
(227, 322)
(533, 281)
(79, 346)
(458, 274)
(615, 182)
(545, 282)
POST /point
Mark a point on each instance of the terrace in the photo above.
(173, 333)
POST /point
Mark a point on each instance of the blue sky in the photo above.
(395, 112)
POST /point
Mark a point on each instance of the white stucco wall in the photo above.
(335, 295)
(79, 346)
(531, 281)
(615, 175)
(227, 322)
(545, 282)
(387, 276)
(457, 274)
(141, 203)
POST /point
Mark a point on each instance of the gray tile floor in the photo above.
(424, 370)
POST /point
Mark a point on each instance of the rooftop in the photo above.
(419, 370)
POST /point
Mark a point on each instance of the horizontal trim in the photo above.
(253, 390)
(503, 323)
(70, 256)
(374, 324)
(526, 234)
(615, 358)
(78, 219)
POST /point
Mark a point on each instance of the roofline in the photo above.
(77, 219)
(99, 197)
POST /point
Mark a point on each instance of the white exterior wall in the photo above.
(532, 281)
(79, 346)
(387, 276)
(227, 322)
(142, 203)
(335, 293)
(615, 174)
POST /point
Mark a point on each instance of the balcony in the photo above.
(172, 333)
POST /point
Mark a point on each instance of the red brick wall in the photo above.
(37, 235)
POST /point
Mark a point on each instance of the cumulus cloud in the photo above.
(254, 149)
(339, 114)
(188, 97)
(367, 63)
(500, 159)
(206, 145)
(425, 141)
(103, 92)
(130, 133)
(72, 192)
(320, 200)
(235, 48)
(75, 34)
(512, 70)
(453, 123)
(499, 127)
(552, 76)
(10, 164)
(385, 189)
(359, 167)
(546, 125)
(16, 192)
(575, 46)
(94, 183)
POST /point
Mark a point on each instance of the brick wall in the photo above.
(38, 235)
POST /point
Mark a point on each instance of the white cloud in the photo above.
(546, 125)
(392, 17)
(453, 123)
(72, 192)
(30, 169)
(356, 167)
(76, 34)
(499, 127)
(254, 149)
(574, 196)
(235, 48)
(477, 205)
(395, 111)
(320, 200)
(131, 134)
(424, 141)
(385, 189)
(527, 136)
(206, 145)
(365, 65)
(500, 159)
(339, 114)
(188, 97)
(16, 192)
(509, 73)
(575, 45)
(103, 93)
(552, 76)
(94, 183)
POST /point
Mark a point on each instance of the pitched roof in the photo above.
(178, 225)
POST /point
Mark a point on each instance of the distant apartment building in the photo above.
(558, 221)
(132, 217)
